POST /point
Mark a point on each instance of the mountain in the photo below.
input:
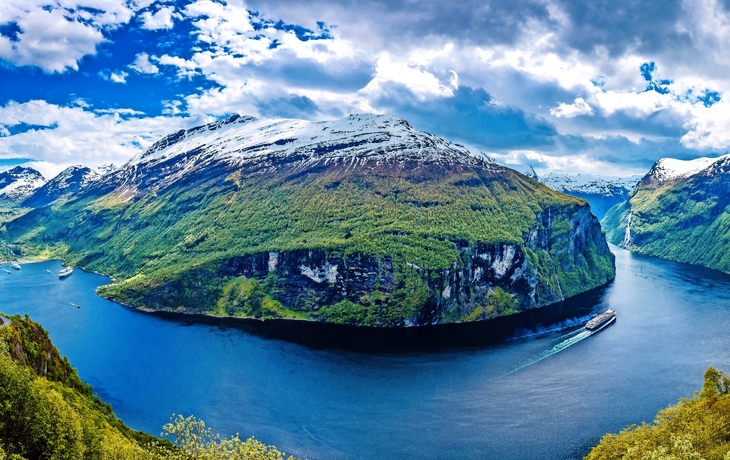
(18, 184)
(601, 192)
(362, 220)
(678, 211)
(69, 181)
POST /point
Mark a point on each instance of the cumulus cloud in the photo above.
(577, 108)
(142, 64)
(65, 135)
(709, 128)
(161, 19)
(114, 76)
(419, 81)
(49, 41)
(469, 115)
(56, 36)
(557, 81)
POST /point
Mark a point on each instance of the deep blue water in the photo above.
(518, 388)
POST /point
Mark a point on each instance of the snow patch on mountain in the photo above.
(68, 181)
(607, 186)
(356, 138)
(103, 170)
(19, 183)
(668, 169)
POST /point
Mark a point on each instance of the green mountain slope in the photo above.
(682, 218)
(384, 226)
(47, 412)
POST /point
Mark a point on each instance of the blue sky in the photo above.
(601, 87)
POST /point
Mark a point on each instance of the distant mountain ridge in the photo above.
(362, 220)
(601, 192)
(679, 210)
(69, 181)
(19, 183)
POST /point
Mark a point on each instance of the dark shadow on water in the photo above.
(569, 313)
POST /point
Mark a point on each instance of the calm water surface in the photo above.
(524, 388)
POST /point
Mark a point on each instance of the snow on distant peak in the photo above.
(105, 169)
(590, 184)
(667, 169)
(357, 138)
(18, 183)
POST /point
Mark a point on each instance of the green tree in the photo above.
(197, 442)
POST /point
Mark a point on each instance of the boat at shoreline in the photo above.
(15, 265)
(602, 320)
(65, 272)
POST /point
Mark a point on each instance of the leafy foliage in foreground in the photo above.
(695, 429)
(47, 412)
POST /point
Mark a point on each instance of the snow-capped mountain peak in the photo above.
(668, 169)
(359, 138)
(68, 181)
(18, 183)
(590, 184)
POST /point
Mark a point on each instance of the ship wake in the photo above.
(566, 341)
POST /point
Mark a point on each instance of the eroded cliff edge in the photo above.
(563, 254)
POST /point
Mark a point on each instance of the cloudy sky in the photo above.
(603, 87)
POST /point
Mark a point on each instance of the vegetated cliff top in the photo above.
(46, 410)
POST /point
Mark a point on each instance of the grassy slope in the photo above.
(687, 221)
(696, 428)
(415, 217)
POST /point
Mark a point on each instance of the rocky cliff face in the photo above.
(487, 280)
(362, 220)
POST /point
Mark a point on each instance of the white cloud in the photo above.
(142, 64)
(709, 128)
(162, 19)
(115, 76)
(119, 77)
(577, 108)
(422, 83)
(79, 136)
(56, 35)
(50, 41)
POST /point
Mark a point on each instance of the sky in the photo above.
(600, 87)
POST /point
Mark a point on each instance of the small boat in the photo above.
(77, 305)
(65, 272)
(49, 271)
(9, 272)
(601, 321)
(15, 265)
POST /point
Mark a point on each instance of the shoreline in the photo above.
(204, 315)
